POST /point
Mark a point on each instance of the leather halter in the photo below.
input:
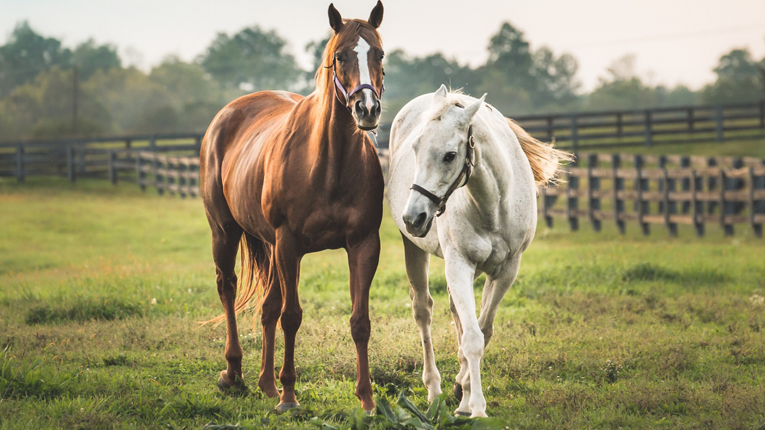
(467, 170)
(339, 86)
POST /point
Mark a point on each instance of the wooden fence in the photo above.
(624, 189)
(174, 174)
(659, 190)
(658, 126)
(90, 157)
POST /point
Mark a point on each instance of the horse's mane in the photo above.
(545, 160)
(325, 87)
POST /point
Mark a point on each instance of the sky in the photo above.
(674, 41)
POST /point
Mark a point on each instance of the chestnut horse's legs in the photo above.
(287, 258)
(362, 262)
(225, 244)
(270, 313)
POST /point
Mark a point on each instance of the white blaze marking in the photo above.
(362, 52)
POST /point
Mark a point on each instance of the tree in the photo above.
(194, 96)
(623, 89)
(519, 80)
(26, 55)
(407, 76)
(556, 83)
(739, 78)
(252, 60)
(89, 58)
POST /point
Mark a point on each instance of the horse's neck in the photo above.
(334, 141)
(494, 178)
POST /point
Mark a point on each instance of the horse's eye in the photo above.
(449, 157)
(339, 58)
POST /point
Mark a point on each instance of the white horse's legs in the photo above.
(417, 262)
(463, 373)
(493, 292)
(459, 276)
(459, 392)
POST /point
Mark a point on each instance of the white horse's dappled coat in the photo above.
(486, 226)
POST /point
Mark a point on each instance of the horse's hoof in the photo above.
(461, 414)
(457, 391)
(237, 388)
(284, 407)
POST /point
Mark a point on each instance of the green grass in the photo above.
(100, 288)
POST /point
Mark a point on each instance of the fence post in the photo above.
(572, 201)
(648, 128)
(711, 185)
(546, 207)
(759, 206)
(662, 182)
(128, 143)
(696, 205)
(139, 173)
(756, 227)
(723, 206)
(574, 132)
(70, 172)
(198, 144)
(735, 207)
(642, 207)
(112, 167)
(719, 123)
(618, 185)
(685, 183)
(20, 162)
(593, 185)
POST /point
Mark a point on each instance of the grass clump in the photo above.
(83, 310)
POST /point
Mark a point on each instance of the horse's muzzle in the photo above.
(418, 226)
(366, 111)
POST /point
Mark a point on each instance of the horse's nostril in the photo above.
(420, 220)
(377, 108)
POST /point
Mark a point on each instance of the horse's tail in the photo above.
(545, 160)
(256, 258)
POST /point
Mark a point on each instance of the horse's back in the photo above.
(234, 142)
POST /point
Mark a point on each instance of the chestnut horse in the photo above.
(284, 175)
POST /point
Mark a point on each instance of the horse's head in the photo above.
(444, 157)
(355, 54)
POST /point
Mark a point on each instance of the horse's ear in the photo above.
(375, 18)
(440, 93)
(335, 20)
(472, 108)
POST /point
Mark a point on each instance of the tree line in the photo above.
(51, 91)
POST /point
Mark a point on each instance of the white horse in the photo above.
(452, 147)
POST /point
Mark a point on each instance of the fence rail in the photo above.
(659, 126)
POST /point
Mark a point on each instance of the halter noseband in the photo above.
(467, 170)
(339, 86)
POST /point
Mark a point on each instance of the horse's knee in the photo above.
(472, 344)
(422, 310)
(291, 319)
(360, 328)
(225, 282)
(269, 314)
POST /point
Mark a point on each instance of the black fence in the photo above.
(92, 157)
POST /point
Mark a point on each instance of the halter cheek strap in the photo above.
(467, 170)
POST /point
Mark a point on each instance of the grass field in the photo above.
(100, 288)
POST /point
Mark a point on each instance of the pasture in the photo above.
(101, 288)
